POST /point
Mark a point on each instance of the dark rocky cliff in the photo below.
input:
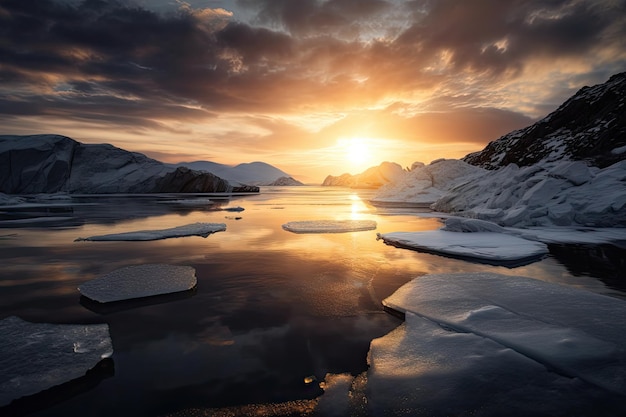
(590, 126)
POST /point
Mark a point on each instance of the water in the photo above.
(272, 310)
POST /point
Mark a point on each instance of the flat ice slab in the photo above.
(489, 344)
(38, 356)
(139, 281)
(329, 226)
(493, 247)
(195, 229)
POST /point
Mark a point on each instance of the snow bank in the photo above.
(138, 282)
(487, 344)
(195, 229)
(38, 356)
(555, 194)
(329, 226)
(425, 184)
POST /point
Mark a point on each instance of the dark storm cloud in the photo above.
(96, 57)
(313, 17)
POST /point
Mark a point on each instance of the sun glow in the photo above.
(358, 152)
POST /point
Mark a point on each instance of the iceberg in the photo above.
(329, 226)
(138, 282)
(194, 229)
(473, 240)
(38, 356)
(488, 344)
(425, 184)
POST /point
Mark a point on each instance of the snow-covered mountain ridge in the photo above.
(253, 173)
(54, 163)
(590, 126)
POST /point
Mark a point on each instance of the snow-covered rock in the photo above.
(425, 184)
(38, 356)
(373, 177)
(590, 126)
(139, 281)
(329, 226)
(485, 344)
(194, 229)
(53, 163)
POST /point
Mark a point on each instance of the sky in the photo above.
(313, 87)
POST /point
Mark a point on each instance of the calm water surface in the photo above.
(271, 307)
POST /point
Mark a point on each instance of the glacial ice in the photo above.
(38, 356)
(329, 226)
(563, 193)
(139, 281)
(194, 229)
(486, 344)
(425, 184)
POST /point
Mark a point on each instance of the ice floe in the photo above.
(329, 226)
(487, 344)
(486, 246)
(38, 356)
(195, 229)
(139, 281)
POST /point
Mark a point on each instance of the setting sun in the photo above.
(358, 152)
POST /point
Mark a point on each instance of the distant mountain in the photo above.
(53, 163)
(373, 177)
(253, 173)
(286, 181)
(590, 126)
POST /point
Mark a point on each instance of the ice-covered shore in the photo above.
(565, 193)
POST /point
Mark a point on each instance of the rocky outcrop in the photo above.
(373, 177)
(54, 163)
(590, 126)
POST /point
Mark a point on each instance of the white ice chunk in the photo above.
(329, 226)
(486, 246)
(195, 229)
(574, 332)
(139, 281)
(424, 369)
(38, 356)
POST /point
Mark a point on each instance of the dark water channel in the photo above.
(272, 309)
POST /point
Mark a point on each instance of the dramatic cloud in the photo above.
(269, 76)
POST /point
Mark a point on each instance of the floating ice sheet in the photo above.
(195, 229)
(139, 281)
(497, 248)
(38, 356)
(576, 333)
(329, 226)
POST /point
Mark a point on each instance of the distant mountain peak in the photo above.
(589, 127)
